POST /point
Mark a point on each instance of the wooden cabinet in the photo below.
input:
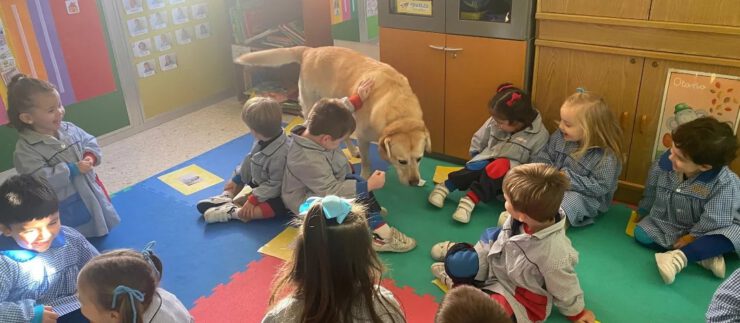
(454, 77)
(626, 58)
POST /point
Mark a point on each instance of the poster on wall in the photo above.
(179, 16)
(155, 4)
(689, 95)
(202, 31)
(163, 42)
(146, 68)
(158, 20)
(372, 7)
(168, 62)
(73, 7)
(199, 11)
(8, 67)
(132, 6)
(142, 47)
(137, 26)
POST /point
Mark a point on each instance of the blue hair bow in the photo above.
(334, 207)
(133, 294)
(147, 253)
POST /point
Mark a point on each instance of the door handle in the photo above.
(623, 119)
(437, 47)
(643, 121)
(448, 49)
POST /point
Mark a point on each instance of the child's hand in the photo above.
(49, 315)
(588, 317)
(363, 90)
(84, 166)
(683, 241)
(376, 180)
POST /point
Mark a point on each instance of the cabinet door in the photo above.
(410, 53)
(714, 12)
(648, 113)
(558, 72)
(631, 9)
(475, 68)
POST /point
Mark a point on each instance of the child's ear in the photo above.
(5, 230)
(25, 118)
(705, 167)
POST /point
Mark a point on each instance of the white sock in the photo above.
(384, 231)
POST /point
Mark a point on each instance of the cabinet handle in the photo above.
(643, 121)
(623, 119)
(447, 49)
(437, 47)
(655, 64)
(633, 60)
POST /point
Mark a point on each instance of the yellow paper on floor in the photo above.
(352, 159)
(441, 172)
(190, 179)
(282, 245)
(294, 122)
(439, 284)
(631, 224)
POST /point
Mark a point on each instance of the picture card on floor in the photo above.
(190, 179)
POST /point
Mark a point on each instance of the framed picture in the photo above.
(163, 42)
(146, 68)
(137, 26)
(132, 6)
(142, 47)
(179, 16)
(689, 95)
(168, 62)
(184, 35)
(158, 20)
(199, 11)
(203, 30)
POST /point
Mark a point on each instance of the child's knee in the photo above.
(642, 237)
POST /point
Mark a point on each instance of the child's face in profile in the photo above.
(508, 126)
(569, 124)
(36, 235)
(47, 113)
(682, 163)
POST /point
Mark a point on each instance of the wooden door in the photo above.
(410, 53)
(559, 72)
(631, 9)
(714, 12)
(475, 68)
(648, 113)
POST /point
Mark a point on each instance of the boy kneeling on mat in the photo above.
(528, 264)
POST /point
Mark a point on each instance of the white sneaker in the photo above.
(398, 242)
(502, 218)
(464, 209)
(222, 213)
(212, 202)
(715, 264)
(438, 195)
(669, 264)
(438, 270)
(439, 251)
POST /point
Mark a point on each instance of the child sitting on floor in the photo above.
(316, 166)
(511, 136)
(39, 258)
(334, 273)
(691, 203)
(123, 286)
(527, 264)
(587, 147)
(725, 305)
(467, 304)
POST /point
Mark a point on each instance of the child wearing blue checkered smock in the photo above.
(725, 305)
(587, 147)
(691, 203)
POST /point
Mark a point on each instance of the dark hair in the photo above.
(126, 267)
(333, 268)
(706, 141)
(20, 90)
(512, 104)
(330, 117)
(536, 189)
(25, 198)
(264, 116)
(467, 304)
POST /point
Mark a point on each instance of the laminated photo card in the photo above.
(142, 47)
(158, 20)
(137, 26)
(146, 68)
(163, 42)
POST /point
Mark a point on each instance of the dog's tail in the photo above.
(273, 57)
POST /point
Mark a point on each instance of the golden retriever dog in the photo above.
(391, 115)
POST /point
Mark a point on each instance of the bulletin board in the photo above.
(178, 51)
(65, 43)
